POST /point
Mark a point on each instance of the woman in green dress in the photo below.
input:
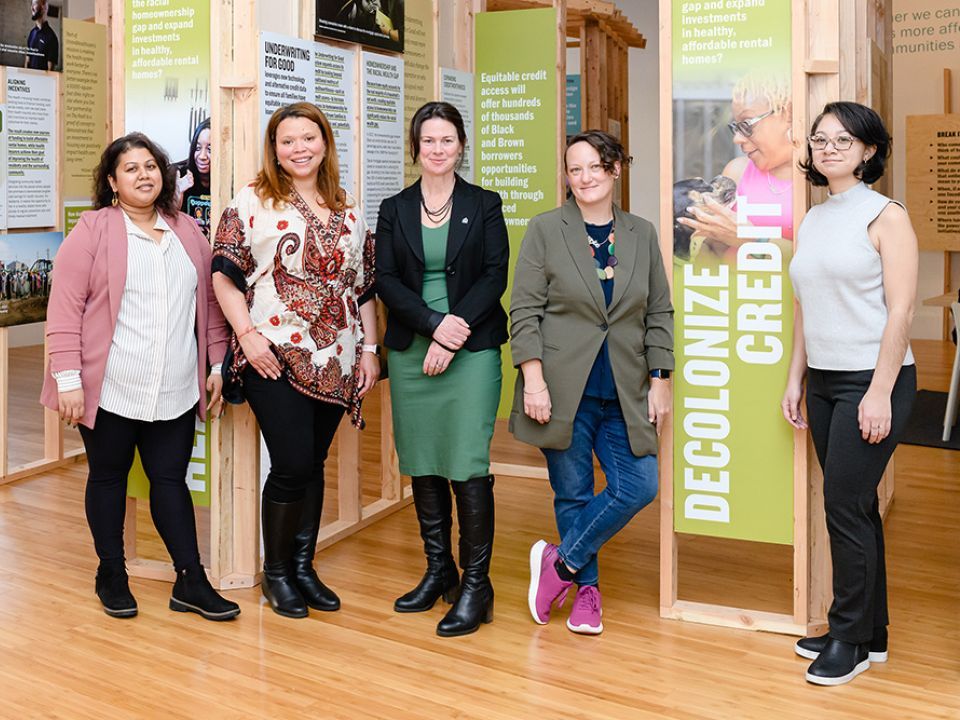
(442, 257)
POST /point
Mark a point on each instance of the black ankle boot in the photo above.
(839, 662)
(475, 513)
(280, 522)
(431, 498)
(113, 588)
(811, 647)
(192, 592)
(314, 592)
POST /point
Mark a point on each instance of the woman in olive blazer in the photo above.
(591, 331)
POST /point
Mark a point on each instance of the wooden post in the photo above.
(668, 539)
(947, 255)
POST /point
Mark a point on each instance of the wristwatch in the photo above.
(662, 374)
(373, 348)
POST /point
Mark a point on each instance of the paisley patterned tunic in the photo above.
(304, 282)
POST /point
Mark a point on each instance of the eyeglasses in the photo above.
(840, 142)
(745, 127)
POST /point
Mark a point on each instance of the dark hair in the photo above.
(192, 157)
(103, 193)
(606, 145)
(442, 110)
(867, 127)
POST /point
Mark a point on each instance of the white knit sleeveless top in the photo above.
(837, 277)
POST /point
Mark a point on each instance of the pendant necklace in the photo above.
(605, 272)
(438, 215)
(777, 190)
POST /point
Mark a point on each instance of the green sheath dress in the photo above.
(443, 424)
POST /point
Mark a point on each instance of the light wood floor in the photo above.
(61, 657)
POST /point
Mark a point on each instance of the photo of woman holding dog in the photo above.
(705, 212)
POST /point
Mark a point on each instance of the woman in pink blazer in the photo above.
(132, 328)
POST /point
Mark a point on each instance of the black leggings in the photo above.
(298, 431)
(852, 470)
(165, 448)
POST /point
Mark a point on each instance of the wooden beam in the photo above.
(668, 539)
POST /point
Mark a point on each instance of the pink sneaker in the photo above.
(546, 587)
(586, 612)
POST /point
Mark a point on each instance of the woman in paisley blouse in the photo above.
(293, 271)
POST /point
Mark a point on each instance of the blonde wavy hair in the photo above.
(774, 88)
(274, 184)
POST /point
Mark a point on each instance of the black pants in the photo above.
(852, 470)
(165, 448)
(298, 431)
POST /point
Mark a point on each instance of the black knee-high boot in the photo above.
(431, 498)
(315, 593)
(280, 523)
(475, 513)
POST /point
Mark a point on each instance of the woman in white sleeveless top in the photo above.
(855, 277)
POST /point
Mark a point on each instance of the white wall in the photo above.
(644, 109)
(918, 90)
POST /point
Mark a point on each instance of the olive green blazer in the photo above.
(558, 315)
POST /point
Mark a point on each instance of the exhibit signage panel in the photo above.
(84, 104)
(933, 180)
(287, 73)
(733, 233)
(3, 164)
(167, 90)
(32, 165)
(382, 82)
(379, 23)
(517, 106)
(419, 71)
(456, 88)
(336, 96)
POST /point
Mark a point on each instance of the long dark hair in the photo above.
(441, 110)
(867, 127)
(103, 193)
(192, 157)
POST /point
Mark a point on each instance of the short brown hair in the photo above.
(607, 146)
(272, 181)
(103, 193)
(443, 111)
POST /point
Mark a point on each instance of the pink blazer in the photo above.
(89, 274)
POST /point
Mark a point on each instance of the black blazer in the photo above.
(478, 255)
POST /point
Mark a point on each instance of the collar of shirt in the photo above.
(160, 224)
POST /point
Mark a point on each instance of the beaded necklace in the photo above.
(605, 272)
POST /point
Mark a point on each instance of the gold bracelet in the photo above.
(534, 392)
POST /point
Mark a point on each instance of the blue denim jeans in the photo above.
(586, 521)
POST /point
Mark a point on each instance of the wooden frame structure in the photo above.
(841, 50)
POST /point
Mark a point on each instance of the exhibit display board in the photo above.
(167, 90)
(733, 452)
(381, 78)
(419, 71)
(574, 105)
(26, 265)
(517, 106)
(28, 42)
(933, 179)
(32, 163)
(336, 96)
(84, 104)
(3, 166)
(456, 88)
(379, 23)
(287, 73)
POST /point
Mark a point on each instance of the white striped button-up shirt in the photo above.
(151, 370)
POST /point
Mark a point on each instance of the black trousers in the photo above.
(852, 470)
(165, 448)
(298, 431)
